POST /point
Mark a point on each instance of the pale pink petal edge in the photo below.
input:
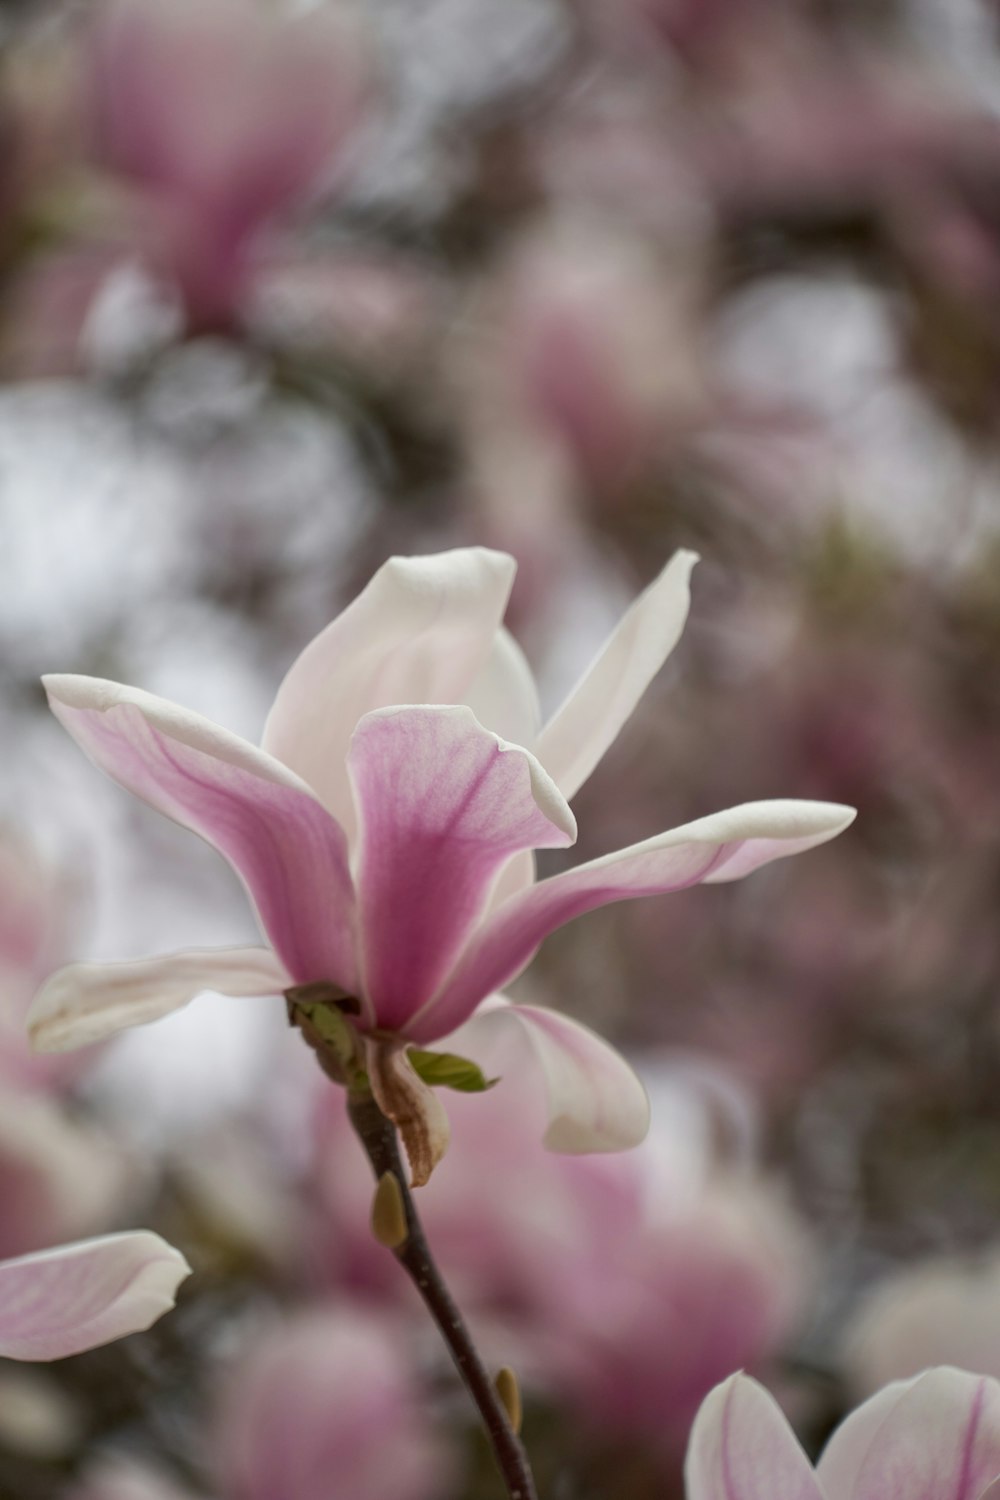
(86, 1003)
(595, 1102)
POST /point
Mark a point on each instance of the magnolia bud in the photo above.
(389, 1212)
(510, 1394)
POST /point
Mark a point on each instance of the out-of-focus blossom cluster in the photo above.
(286, 289)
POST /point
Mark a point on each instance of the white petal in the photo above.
(417, 634)
(594, 1100)
(579, 733)
(503, 695)
(85, 1003)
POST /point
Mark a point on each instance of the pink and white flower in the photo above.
(59, 1302)
(936, 1435)
(384, 831)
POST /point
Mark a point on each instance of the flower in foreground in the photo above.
(937, 1435)
(59, 1302)
(384, 833)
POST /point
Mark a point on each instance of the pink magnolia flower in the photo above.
(590, 363)
(384, 830)
(324, 1404)
(926, 1438)
(225, 117)
(58, 1302)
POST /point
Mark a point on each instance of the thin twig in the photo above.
(378, 1136)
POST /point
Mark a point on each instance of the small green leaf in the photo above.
(449, 1071)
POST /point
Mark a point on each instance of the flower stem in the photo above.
(378, 1136)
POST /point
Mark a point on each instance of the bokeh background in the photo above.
(285, 289)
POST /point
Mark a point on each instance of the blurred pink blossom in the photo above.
(59, 1177)
(584, 346)
(936, 1435)
(328, 1404)
(716, 1285)
(377, 312)
(224, 118)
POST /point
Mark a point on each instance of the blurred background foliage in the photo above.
(286, 289)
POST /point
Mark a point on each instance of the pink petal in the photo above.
(287, 849)
(85, 1003)
(742, 1448)
(594, 1101)
(442, 804)
(579, 733)
(936, 1435)
(724, 846)
(418, 633)
(61, 1301)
